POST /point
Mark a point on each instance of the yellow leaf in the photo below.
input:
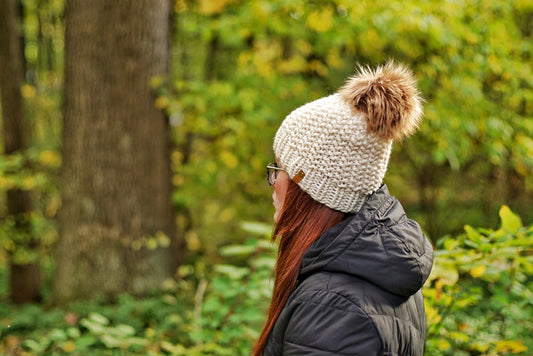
(303, 46)
(229, 159)
(156, 81)
(320, 21)
(27, 91)
(514, 347)
(180, 6)
(28, 183)
(161, 102)
(176, 157)
(210, 7)
(178, 180)
(479, 346)
(151, 243)
(69, 346)
(50, 158)
(523, 5)
(443, 345)
(293, 65)
(226, 215)
(243, 58)
(192, 241)
(162, 239)
(9, 246)
(458, 336)
(318, 67)
(432, 315)
(260, 9)
(3, 182)
(478, 271)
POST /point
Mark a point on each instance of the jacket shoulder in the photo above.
(319, 320)
(338, 314)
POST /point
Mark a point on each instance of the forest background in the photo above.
(219, 77)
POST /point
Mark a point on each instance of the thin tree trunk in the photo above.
(25, 278)
(116, 171)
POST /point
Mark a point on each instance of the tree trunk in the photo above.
(116, 169)
(24, 280)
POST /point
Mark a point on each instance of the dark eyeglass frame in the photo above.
(272, 173)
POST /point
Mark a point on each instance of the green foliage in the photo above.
(238, 68)
(217, 310)
(478, 302)
(479, 297)
(36, 169)
(32, 171)
(241, 66)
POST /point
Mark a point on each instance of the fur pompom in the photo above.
(389, 97)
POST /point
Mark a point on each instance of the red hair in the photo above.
(302, 221)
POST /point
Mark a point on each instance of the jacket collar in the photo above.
(378, 244)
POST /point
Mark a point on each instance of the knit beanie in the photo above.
(337, 148)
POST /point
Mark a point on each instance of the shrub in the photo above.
(478, 298)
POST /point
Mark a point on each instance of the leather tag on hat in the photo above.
(298, 177)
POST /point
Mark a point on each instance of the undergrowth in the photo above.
(479, 301)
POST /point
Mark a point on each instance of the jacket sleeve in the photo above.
(326, 323)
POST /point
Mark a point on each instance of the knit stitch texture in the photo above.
(342, 164)
(340, 146)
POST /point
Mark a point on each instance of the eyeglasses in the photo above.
(272, 173)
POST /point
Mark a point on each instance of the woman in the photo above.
(350, 263)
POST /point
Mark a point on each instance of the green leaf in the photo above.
(93, 327)
(73, 333)
(257, 228)
(237, 250)
(474, 237)
(124, 330)
(85, 341)
(57, 335)
(446, 272)
(34, 345)
(111, 341)
(232, 271)
(98, 318)
(510, 221)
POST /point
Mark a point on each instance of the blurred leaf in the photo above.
(236, 250)
(210, 7)
(98, 318)
(478, 271)
(57, 335)
(320, 21)
(510, 221)
(256, 228)
(232, 271)
(513, 347)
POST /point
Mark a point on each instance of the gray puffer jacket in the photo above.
(359, 288)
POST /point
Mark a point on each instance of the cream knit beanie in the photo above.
(337, 148)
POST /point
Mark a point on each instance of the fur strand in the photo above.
(389, 97)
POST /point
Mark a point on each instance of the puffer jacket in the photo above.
(359, 287)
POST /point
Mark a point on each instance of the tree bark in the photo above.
(116, 163)
(24, 279)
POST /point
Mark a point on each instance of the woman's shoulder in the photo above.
(327, 320)
(355, 312)
(350, 293)
(333, 289)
